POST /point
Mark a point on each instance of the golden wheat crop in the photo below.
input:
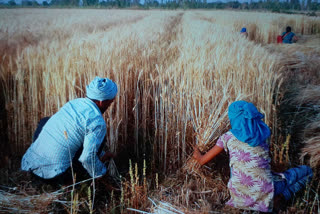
(177, 72)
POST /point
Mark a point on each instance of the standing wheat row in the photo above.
(177, 73)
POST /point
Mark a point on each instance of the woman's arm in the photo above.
(203, 159)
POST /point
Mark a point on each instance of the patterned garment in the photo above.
(51, 153)
(251, 183)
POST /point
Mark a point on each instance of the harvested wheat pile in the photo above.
(309, 102)
(20, 202)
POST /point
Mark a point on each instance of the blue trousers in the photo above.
(295, 179)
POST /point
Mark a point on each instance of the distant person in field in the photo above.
(74, 135)
(252, 184)
(244, 32)
(289, 37)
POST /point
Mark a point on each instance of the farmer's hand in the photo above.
(203, 159)
(196, 154)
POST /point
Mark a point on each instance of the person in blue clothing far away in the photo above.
(244, 32)
(289, 37)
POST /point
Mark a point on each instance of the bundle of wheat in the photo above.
(300, 69)
(309, 101)
(312, 148)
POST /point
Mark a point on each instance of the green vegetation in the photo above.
(276, 6)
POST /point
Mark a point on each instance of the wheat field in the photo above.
(177, 72)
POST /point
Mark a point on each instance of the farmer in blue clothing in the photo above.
(289, 37)
(73, 135)
(244, 32)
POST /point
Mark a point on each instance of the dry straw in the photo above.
(309, 100)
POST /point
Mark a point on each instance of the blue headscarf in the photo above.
(246, 123)
(101, 89)
(243, 30)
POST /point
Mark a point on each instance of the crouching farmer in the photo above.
(252, 185)
(73, 137)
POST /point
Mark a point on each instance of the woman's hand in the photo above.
(203, 159)
(196, 154)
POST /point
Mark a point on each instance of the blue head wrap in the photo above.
(101, 89)
(246, 123)
(243, 30)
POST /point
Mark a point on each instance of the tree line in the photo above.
(271, 5)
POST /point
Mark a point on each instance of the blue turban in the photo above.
(101, 89)
(243, 30)
(246, 123)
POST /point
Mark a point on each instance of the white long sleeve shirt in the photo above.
(51, 153)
